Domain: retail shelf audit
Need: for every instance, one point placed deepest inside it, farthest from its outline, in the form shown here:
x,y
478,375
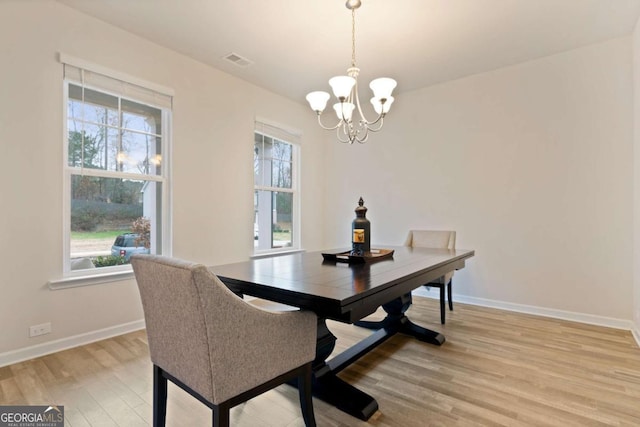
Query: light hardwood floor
x,y
496,368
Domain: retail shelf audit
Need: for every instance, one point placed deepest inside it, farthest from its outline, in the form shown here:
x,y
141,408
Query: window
x,y
116,172
275,161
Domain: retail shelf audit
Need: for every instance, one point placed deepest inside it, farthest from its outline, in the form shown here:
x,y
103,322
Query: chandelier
x,y
345,88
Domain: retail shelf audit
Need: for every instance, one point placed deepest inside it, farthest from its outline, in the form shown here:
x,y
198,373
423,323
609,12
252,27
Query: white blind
x,y
99,79
278,131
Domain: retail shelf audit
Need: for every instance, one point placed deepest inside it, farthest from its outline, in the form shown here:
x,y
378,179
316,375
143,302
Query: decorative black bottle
x,y
361,232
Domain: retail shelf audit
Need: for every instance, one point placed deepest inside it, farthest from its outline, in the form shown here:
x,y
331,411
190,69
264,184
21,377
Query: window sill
x,y
276,253
88,280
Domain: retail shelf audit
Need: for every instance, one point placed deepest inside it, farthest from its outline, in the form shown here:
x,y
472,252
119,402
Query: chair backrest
x,y
199,330
439,239
174,318
191,319
431,239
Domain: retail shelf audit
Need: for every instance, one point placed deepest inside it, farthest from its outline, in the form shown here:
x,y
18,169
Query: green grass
x,y
83,235
280,235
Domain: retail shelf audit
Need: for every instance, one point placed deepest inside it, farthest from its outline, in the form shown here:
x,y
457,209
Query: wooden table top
x,y
336,290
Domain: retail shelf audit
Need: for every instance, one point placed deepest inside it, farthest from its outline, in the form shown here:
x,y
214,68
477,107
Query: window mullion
x,y
106,137
275,189
100,173
120,131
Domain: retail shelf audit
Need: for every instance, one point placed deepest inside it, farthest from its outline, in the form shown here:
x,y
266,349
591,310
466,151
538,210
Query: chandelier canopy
x,y
350,128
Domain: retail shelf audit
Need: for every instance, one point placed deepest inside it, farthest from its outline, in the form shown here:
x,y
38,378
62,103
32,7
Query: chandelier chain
x,y
353,37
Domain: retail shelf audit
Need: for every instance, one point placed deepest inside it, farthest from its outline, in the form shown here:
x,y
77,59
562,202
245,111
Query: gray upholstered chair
x,y
216,346
441,240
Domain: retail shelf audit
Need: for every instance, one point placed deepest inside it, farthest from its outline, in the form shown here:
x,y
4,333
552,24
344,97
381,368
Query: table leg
x,y
328,387
339,393
396,321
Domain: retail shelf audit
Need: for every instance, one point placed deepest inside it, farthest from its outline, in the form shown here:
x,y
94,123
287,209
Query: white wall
x,y
531,164
212,165
636,180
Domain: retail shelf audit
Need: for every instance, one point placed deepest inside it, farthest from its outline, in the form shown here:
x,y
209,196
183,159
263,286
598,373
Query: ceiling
x,y
296,46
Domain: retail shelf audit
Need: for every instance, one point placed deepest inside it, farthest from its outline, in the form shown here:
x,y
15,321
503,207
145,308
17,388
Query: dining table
x,y
346,289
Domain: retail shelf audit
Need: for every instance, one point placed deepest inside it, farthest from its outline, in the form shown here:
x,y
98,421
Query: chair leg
x,y
221,415
159,398
306,402
442,311
449,295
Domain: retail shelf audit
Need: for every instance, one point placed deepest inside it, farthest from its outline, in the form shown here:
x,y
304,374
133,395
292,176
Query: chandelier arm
x,y
352,133
379,118
377,129
365,136
328,127
357,102
363,140
344,141
362,116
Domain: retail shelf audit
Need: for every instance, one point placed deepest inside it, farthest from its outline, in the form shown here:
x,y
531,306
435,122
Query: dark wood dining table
x,y
346,292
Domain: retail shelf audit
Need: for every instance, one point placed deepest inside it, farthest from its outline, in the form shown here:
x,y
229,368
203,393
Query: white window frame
x,y
71,278
293,137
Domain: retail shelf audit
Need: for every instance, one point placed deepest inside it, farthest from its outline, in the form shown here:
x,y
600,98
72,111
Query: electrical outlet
x,y
42,329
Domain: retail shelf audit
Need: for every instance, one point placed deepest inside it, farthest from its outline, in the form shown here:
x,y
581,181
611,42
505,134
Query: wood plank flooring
x,y
497,368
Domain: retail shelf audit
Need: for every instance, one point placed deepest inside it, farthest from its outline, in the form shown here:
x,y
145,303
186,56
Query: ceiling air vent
x,y
237,60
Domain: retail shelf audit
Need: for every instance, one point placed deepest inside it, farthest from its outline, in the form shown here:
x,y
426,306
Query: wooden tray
x,y
374,255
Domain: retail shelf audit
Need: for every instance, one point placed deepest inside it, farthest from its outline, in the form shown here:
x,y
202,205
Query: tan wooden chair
x,y
441,240
216,346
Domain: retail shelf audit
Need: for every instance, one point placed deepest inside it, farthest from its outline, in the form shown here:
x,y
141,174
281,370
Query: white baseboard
x,y
540,311
43,349
635,330
27,353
